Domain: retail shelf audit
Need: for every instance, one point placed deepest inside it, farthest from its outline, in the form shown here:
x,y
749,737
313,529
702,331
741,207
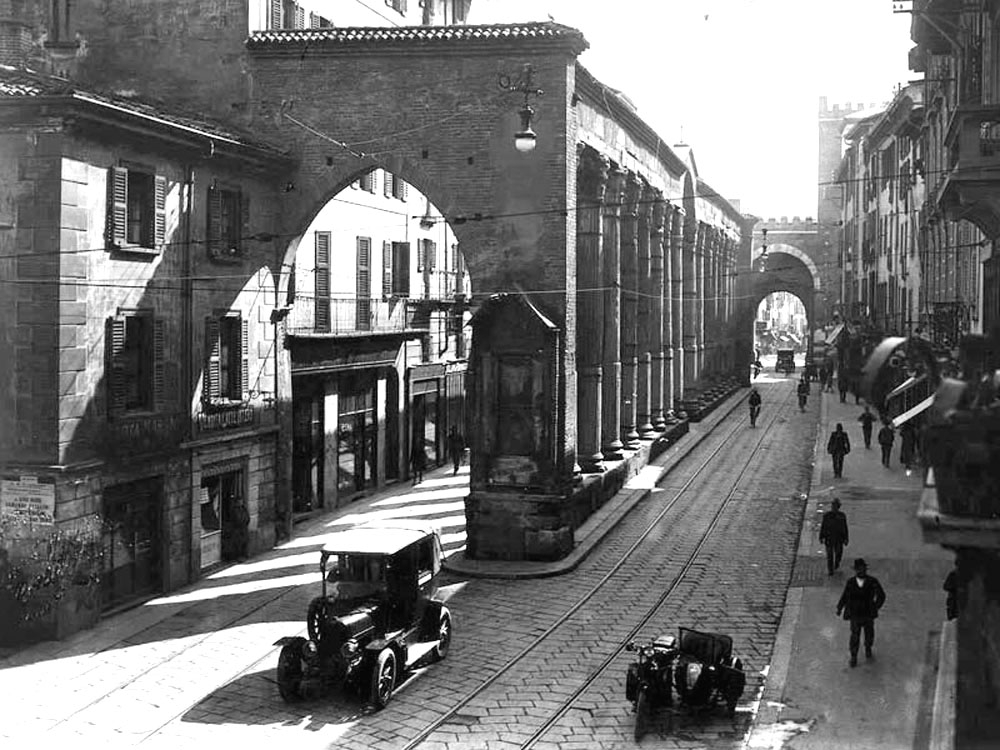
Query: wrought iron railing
x,y
354,315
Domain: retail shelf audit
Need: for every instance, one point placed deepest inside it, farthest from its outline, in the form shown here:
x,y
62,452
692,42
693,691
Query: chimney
x,y
15,34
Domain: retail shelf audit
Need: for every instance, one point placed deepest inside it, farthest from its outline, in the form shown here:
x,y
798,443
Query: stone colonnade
x,y
655,294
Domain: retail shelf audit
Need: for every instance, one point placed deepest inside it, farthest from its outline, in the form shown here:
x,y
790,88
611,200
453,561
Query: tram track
x,y
669,506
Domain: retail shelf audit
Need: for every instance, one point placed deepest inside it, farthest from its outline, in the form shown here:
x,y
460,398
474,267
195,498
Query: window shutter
x,y
421,252
322,281
245,359
160,403
388,186
214,221
244,221
213,374
364,285
117,206
386,269
401,269
115,343
160,211
431,253
274,20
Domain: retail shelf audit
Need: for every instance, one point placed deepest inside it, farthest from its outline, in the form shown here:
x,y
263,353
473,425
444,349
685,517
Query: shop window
x,y
228,222
136,217
224,516
135,342
227,348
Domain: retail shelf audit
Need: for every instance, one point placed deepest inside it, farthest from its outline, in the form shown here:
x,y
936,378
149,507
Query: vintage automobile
x,y
786,361
699,666
377,615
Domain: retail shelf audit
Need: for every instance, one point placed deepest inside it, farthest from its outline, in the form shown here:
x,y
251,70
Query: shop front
x,y
133,541
224,515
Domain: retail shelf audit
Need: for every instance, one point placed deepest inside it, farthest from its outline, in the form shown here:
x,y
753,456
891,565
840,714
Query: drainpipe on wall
x,y
187,358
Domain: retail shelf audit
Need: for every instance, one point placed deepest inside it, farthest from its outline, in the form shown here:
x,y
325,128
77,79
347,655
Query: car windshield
x,y
355,576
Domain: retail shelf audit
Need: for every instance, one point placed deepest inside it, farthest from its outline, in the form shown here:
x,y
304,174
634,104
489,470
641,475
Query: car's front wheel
x,y
443,636
290,671
383,679
641,713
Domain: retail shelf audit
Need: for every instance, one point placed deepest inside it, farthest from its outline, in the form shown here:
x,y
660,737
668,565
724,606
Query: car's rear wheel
x,y
317,617
383,679
290,671
443,637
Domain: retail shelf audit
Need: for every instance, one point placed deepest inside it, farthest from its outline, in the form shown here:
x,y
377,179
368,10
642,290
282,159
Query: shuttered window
x,y
387,185
227,359
136,365
364,285
400,189
228,222
426,255
322,280
386,269
401,269
274,15
136,210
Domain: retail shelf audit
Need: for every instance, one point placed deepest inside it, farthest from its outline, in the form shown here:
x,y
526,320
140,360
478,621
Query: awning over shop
x,y
910,382
906,416
831,338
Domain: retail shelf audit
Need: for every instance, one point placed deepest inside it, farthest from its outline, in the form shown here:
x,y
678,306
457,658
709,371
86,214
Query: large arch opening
x,y
377,294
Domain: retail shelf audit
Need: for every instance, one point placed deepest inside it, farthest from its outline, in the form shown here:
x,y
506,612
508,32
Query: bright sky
x,y
739,79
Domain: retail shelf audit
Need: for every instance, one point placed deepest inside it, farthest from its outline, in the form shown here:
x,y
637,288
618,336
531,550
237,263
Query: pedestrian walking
x,y
418,459
886,437
863,597
867,419
907,444
838,446
833,535
843,385
754,402
951,598
456,447
803,393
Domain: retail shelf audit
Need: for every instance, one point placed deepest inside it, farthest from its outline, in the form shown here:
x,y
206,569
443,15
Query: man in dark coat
x,y
803,393
456,447
867,419
838,446
863,597
754,402
833,535
886,437
908,444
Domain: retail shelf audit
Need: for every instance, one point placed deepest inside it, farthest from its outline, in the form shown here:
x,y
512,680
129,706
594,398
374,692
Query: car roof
x,y
381,539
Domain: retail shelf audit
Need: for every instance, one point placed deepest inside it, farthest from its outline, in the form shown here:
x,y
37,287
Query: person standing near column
x,y
833,535
863,597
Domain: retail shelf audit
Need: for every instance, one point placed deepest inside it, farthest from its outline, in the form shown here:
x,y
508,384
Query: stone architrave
x,y
677,225
643,336
611,383
656,321
592,174
630,298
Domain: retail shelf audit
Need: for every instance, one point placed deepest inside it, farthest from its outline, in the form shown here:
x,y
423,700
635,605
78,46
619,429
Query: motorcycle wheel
x,y
641,713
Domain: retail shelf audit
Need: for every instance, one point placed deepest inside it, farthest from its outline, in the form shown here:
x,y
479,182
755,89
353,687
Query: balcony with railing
x,y
356,316
968,186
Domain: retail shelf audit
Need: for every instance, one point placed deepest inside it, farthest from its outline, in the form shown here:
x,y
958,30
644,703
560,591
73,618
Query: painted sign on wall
x,y
28,499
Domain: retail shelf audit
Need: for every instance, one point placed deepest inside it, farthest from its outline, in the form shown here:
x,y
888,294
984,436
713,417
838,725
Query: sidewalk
x,y
812,699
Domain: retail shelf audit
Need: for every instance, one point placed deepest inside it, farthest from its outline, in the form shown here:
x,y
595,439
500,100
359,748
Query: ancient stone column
x,y
611,366
643,334
699,304
630,288
656,320
692,231
592,173
677,306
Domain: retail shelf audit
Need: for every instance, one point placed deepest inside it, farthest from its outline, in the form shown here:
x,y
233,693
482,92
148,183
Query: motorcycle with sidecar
x,y
700,667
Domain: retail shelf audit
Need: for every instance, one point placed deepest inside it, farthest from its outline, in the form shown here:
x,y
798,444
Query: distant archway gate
x,y
633,267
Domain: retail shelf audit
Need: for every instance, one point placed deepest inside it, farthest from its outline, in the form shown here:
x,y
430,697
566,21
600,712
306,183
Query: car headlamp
x,y
693,673
350,650
310,651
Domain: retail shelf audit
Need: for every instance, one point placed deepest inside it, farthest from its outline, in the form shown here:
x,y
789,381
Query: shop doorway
x,y
132,542
425,419
307,453
225,519
357,433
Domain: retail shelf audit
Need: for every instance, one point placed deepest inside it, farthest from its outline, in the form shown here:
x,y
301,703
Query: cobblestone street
x,y
198,666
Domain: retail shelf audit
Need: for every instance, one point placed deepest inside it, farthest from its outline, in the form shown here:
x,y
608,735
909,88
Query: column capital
x,y
615,187
659,214
633,190
592,173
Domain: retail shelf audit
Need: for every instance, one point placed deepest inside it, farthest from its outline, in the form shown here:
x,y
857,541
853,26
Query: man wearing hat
x,y
833,535
863,597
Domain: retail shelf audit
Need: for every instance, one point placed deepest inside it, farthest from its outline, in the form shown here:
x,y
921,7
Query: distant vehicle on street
x,y
376,617
786,361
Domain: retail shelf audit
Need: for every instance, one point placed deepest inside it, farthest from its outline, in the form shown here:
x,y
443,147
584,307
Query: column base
x,y
613,451
659,422
592,464
632,439
647,431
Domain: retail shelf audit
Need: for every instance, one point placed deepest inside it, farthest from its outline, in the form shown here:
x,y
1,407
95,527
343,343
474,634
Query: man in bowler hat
x,y
833,535
863,597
